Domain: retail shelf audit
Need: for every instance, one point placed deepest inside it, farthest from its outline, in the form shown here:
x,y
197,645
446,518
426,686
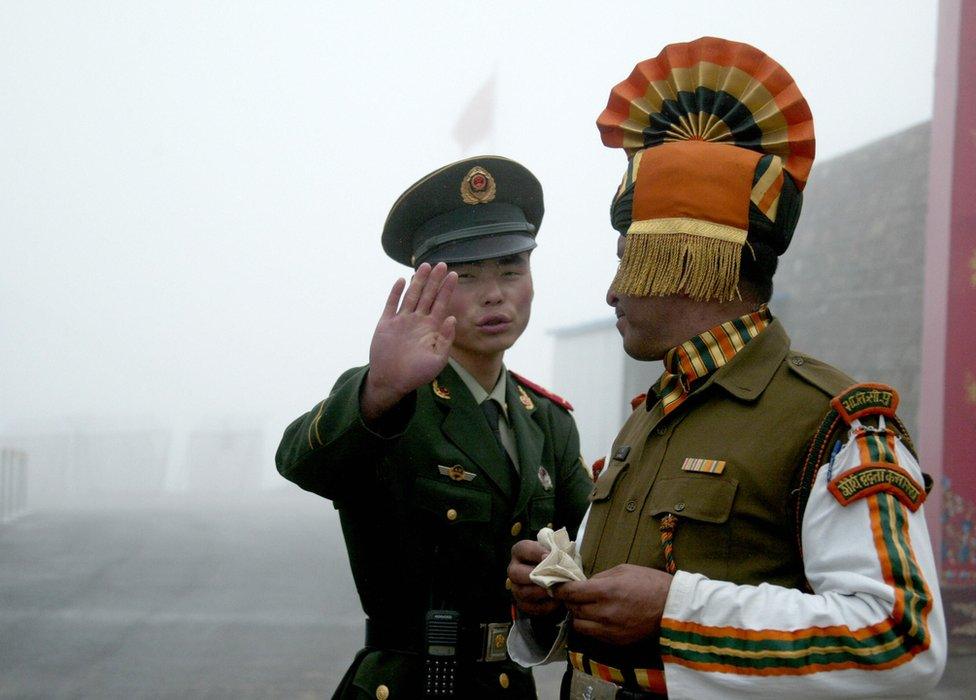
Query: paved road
x,y
251,599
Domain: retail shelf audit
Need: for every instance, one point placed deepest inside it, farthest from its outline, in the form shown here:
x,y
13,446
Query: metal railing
x,y
13,484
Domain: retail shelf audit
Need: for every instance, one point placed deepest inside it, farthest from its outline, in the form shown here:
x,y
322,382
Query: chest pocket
x,y
704,498
450,504
542,510
703,536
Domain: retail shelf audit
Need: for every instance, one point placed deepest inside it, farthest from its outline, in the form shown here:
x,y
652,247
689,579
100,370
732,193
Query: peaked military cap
x,y
475,209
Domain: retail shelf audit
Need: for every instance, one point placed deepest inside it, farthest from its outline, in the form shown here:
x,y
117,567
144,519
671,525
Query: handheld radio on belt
x,y
440,652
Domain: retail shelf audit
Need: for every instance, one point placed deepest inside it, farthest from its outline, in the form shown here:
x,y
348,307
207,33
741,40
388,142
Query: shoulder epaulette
x,y
555,398
825,377
637,401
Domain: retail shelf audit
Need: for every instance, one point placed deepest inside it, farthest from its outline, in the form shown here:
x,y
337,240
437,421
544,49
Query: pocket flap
x,y
705,498
542,509
391,669
465,503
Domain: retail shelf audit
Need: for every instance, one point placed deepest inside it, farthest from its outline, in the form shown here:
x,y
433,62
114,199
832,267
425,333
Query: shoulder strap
x,y
545,393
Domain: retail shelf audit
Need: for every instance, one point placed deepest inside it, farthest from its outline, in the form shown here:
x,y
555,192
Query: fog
x,y
192,193
191,201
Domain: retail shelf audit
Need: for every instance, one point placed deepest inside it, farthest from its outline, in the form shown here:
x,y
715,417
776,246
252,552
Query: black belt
x,y
481,641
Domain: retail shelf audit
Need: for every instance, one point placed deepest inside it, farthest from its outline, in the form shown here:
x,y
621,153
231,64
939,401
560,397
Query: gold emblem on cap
x,y
478,186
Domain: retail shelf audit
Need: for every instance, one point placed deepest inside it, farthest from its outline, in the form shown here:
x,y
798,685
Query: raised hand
x,y
411,343
621,605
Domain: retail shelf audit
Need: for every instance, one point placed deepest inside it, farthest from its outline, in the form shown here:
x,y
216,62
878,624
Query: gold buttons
x,y
503,680
382,692
508,584
516,529
452,514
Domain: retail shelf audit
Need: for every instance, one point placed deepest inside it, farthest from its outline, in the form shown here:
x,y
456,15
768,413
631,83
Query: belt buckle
x,y
496,640
583,686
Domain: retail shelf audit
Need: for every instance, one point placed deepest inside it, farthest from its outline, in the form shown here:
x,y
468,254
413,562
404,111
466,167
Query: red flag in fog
x,y
477,122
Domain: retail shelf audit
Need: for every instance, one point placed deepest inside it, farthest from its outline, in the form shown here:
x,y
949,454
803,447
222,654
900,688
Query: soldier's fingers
x,y
389,310
416,286
576,593
528,552
444,294
431,287
447,330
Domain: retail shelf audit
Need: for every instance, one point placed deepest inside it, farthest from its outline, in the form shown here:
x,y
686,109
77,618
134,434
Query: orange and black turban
x,y
719,143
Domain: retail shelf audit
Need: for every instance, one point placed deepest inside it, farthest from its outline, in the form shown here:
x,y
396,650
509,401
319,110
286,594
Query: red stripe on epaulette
x,y
555,398
598,467
637,401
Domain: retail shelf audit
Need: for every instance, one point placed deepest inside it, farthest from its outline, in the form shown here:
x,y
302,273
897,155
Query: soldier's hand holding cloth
x,y
620,605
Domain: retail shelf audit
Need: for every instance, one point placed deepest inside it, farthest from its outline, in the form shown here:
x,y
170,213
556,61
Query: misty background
x,y
191,201
192,194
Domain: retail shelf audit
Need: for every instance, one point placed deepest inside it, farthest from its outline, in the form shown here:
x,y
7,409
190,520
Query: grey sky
x,y
191,194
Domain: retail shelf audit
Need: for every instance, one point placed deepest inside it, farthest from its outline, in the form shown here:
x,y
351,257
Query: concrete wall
x,y
849,289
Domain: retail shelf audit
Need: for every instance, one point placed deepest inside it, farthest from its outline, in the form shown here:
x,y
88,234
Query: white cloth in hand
x,y
562,564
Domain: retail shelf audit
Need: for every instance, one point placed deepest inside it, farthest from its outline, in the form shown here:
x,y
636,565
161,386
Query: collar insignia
x,y
525,398
440,391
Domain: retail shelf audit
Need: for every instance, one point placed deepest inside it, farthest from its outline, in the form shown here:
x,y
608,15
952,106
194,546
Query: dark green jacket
x,y
419,539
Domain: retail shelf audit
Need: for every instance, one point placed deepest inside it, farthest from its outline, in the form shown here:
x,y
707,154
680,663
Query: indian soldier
x,y
758,529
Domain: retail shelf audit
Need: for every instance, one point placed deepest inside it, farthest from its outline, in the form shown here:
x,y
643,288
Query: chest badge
x,y
545,479
456,472
525,399
700,464
439,391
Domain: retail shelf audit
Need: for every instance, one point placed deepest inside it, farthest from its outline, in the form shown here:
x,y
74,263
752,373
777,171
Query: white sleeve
x,y
873,625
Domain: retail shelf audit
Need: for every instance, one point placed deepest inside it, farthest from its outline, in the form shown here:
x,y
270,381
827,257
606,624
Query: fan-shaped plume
x,y
712,90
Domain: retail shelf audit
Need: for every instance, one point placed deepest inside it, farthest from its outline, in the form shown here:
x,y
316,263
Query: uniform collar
x,y
478,391
748,374
689,364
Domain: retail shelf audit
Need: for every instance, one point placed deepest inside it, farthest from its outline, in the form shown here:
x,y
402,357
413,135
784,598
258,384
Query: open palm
x,y
411,343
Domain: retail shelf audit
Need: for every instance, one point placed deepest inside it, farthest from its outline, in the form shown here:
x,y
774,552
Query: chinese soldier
x,y
437,457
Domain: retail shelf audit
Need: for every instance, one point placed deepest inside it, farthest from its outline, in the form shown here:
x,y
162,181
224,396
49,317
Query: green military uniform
x,y
420,539
737,525
430,498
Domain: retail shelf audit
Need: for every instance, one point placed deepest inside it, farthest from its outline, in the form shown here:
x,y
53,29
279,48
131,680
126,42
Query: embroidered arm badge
x,y
878,477
865,400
